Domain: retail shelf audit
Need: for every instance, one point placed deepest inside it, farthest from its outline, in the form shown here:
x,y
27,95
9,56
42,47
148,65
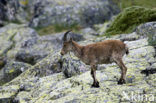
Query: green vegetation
x,y
13,21
56,28
129,19
128,3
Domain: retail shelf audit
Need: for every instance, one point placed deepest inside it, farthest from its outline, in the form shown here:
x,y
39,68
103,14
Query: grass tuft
x,y
57,28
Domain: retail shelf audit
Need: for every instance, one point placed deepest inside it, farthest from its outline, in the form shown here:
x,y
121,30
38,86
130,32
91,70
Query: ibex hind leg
x,y
93,74
123,68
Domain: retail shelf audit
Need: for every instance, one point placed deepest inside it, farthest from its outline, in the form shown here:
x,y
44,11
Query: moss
x,y
130,18
57,28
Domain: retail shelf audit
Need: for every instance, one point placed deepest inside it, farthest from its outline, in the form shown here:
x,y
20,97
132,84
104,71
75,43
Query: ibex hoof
x,y
96,85
121,81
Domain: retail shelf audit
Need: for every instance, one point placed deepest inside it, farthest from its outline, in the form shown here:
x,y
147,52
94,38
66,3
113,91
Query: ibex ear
x,y
65,35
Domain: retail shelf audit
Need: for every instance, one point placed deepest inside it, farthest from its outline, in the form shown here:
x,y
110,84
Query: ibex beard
x,y
105,52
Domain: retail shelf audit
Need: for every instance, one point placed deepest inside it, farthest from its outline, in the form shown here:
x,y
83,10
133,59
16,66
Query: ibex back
x,y
105,52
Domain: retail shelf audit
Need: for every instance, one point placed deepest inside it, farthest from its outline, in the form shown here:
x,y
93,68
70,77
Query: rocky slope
x,y
33,71
57,79
23,47
41,13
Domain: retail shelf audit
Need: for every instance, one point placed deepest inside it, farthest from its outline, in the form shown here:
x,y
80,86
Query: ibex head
x,y
67,44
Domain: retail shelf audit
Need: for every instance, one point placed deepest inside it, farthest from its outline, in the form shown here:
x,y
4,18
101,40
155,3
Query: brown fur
x,y
108,51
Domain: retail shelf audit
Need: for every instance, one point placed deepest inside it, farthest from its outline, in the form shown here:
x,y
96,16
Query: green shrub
x,y
130,18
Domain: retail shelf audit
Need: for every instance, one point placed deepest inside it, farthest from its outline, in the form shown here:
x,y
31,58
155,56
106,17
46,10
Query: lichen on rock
x,y
34,85
11,70
43,75
148,30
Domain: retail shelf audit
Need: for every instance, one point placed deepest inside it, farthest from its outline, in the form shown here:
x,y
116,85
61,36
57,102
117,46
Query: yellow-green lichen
x,y
11,70
9,91
24,2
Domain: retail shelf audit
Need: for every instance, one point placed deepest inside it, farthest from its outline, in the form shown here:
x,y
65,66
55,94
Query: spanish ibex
x,y
105,52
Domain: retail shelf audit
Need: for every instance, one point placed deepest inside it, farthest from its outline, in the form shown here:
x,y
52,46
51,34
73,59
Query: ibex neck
x,y
77,49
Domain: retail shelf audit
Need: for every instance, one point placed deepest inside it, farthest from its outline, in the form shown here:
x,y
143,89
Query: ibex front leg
x,y
93,74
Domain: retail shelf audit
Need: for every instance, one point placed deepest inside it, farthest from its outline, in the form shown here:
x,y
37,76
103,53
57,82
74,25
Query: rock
x,y
63,13
7,93
15,11
2,62
2,11
8,100
33,51
148,30
55,63
9,10
57,38
72,66
101,28
130,78
21,92
153,65
13,35
89,33
75,36
37,84
23,44
49,65
148,71
54,78
33,71
128,37
151,81
129,19
6,40
11,70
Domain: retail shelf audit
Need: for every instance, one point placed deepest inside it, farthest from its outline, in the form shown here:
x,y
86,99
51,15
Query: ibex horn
x,y
65,35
